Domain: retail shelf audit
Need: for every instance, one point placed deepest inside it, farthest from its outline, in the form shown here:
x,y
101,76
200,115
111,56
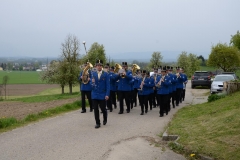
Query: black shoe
x,y
177,104
173,105
104,122
120,112
161,115
110,110
166,113
97,126
115,106
154,106
150,108
135,105
91,110
83,111
142,113
128,111
146,111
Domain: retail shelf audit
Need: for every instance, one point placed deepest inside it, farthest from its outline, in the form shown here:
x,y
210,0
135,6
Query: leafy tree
x,y
95,52
55,74
4,84
156,60
70,61
203,62
194,64
224,57
235,40
190,63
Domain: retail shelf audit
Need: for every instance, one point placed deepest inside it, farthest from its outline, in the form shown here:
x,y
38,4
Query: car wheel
x,y
192,86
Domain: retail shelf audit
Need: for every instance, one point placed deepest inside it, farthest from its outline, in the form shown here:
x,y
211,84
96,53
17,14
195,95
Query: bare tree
x,y
4,85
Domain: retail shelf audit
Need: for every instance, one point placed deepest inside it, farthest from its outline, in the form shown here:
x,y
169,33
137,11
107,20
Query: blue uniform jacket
x,y
148,85
174,82
101,87
153,84
135,83
85,87
170,75
180,81
124,83
164,87
113,83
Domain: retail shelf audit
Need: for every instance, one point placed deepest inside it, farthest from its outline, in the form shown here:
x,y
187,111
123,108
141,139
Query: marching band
x,y
117,83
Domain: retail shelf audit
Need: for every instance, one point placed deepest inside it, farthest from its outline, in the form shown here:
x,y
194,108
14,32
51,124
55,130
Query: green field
x,y
22,77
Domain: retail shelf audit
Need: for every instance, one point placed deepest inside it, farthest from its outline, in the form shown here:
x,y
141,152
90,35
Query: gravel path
x,y
73,136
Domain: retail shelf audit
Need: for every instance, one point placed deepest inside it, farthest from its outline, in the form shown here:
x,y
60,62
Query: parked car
x,y
217,83
231,73
201,78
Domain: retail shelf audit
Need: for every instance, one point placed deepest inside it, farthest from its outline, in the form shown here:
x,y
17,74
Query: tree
x,y
70,61
235,40
190,63
55,74
194,64
95,52
156,60
203,63
224,57
4,84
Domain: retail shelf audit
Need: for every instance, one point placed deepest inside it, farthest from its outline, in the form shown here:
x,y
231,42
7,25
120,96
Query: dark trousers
x,y
163,98
102,105
173,96
178,95
124,95
169,102
183,94
150,100
154,97
131,98
135,93
143,102
113,97
83,95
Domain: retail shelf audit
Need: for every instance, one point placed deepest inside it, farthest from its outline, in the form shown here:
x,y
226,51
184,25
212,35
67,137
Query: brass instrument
x,y
159,83
85,73
135,67
117,68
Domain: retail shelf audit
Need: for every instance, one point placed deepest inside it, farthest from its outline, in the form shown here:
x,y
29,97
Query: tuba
x,y
135,67
85,73
117,68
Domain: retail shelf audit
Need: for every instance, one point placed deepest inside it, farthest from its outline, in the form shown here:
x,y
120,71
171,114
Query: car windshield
x,y
200,74
223,78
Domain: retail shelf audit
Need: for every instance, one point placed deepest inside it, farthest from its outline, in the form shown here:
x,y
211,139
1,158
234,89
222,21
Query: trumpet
x,y
160,82
122,73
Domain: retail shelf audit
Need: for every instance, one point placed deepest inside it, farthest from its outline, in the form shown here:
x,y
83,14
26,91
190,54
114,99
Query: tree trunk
x,y
70,88
62,89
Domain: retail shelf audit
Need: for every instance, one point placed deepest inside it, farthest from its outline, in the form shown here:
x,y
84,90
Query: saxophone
x,y
85,73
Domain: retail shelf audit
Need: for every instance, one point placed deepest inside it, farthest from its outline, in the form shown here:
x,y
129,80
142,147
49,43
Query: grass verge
x,y
211,128
7,124
45,98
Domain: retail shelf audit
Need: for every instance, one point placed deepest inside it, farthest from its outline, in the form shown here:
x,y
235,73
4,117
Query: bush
x,y
6,122
215,97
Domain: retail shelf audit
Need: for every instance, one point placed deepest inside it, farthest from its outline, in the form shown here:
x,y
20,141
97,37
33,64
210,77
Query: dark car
x,y
201,78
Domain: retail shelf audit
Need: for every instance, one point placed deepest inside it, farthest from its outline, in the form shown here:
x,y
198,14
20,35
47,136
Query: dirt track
x,y
20,110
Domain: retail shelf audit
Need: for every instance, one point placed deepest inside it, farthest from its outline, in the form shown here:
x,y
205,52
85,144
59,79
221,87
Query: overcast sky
x,y
36,28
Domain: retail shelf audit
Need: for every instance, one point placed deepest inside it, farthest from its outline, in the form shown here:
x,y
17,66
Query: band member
x,y
179,86
154,94
173,81
163,83
135,87
184,84
124,87
85,87
151,92
145,84
113,88
108,103
100,92
159,74
170,87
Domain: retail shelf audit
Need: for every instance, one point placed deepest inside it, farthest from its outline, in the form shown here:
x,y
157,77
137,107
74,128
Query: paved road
x,y
73,136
